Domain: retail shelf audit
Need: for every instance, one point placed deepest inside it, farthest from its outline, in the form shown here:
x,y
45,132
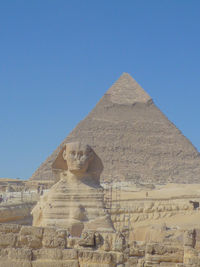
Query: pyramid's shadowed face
x,y
78,157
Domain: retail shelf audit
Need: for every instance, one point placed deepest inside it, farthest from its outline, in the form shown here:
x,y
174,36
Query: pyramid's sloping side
x,y
134,140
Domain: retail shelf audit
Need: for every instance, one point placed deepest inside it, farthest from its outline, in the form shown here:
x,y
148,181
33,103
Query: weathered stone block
x,y
95,257
20,254
61,233
7,240
55,254
51,263
197,237
47,254
191,256
30,241
189,238
87,239
49,231
4,254
10,228
137,252
54,239
157,248
141,263
30,237
168,264
118,257
132,261
10,263
30,230
176,258
87,264
72,242
70,254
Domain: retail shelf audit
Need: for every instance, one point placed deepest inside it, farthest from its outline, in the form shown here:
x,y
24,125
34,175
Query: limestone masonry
x,y
134,139
27,246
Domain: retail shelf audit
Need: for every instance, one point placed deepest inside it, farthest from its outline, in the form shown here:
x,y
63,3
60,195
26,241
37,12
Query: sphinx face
x,y
78,157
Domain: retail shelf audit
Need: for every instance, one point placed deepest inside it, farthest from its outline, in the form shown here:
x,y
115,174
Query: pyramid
x,y
134,139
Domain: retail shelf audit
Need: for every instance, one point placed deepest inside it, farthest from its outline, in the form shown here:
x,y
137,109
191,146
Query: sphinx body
x,y
75,202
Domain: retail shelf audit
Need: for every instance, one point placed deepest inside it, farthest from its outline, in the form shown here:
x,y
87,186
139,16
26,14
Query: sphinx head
x,y
78,157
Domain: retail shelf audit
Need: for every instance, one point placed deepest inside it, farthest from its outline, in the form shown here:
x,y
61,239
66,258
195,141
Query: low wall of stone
x,y
27,246
16,213
135,211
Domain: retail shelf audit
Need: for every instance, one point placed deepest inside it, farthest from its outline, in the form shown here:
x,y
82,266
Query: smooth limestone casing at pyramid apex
x,y
134,139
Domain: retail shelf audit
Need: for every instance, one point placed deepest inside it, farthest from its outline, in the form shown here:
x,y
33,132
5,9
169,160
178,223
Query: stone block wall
x,y
27,246
142,210
19,213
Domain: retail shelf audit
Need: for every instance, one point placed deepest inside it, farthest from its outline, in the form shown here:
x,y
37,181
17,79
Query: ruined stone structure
x,y
27,246
134,140
11,185
19,213
76,201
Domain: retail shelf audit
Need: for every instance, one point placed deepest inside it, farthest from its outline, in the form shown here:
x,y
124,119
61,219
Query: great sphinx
x,y
75,202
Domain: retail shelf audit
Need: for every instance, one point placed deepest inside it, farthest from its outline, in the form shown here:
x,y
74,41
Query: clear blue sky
x,y
58,58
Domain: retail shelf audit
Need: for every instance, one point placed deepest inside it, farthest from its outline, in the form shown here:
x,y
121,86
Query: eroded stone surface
x,y
137,254
16,213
